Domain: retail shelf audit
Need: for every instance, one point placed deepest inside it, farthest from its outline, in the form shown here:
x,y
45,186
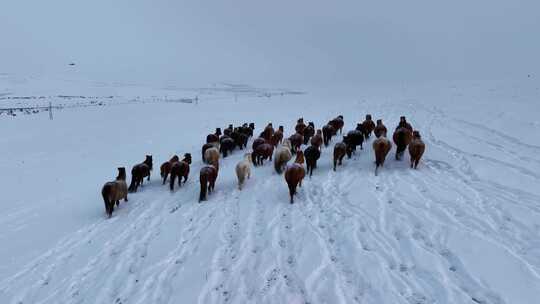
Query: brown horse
x,y
207,178
165,168
368,126
317,139
296,140
180,169
381,147
328,131
262,153
380,129
257,142
277,138
309,131
268,132
337,123
416,149
311,154
295,173
404,124
340,149
300,126
402,138
226,145
113,192
139,172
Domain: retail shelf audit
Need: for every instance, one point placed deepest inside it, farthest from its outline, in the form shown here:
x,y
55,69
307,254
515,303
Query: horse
x,y
340,149
207,179
241,140
300,126
380,129
114,191
337,123
257,142
246,130
282,156
328,131
368,126
317,139
416,149
165,168
352,139
295,173
139,172
309,131
226,145
402,137
381,147
228,130
296,140
211,155
208,146
404,124
210,138
277,138
311,154
262,152
267,132
180,169
218,132
243,170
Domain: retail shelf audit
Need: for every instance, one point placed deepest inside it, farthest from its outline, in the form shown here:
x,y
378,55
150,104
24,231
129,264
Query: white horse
x,y
282,156
243,170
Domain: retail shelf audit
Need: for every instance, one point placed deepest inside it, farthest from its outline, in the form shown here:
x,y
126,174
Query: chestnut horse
x,y
381,147
328,131
416,149
207,178
268,132
277,138
402,138
337,123
340,149
317,139
165,168
262,152
180,169
295,173
300,126
380,129
296,140
368,126
113,192
139,172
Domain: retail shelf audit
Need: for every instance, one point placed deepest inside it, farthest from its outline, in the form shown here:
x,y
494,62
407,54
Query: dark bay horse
x,y
139,172
207,178
165,168
180,169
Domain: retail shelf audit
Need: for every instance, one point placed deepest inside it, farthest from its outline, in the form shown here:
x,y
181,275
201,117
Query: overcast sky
x,y
274,41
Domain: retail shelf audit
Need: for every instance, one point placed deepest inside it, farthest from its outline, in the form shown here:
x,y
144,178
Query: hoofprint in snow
x,y
463,228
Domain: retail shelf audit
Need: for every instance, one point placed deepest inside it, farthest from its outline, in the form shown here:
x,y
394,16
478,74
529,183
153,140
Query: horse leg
x,y
148,176
165,178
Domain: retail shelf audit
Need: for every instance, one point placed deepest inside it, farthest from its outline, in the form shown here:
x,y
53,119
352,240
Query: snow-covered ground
x,y
463,228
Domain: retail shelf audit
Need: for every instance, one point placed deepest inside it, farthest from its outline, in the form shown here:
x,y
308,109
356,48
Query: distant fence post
x,y
50,110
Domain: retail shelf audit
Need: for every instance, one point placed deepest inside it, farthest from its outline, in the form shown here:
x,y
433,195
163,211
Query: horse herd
x,y
271,145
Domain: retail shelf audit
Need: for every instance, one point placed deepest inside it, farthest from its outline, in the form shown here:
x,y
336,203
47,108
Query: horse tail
x,y
292,191
277,164
105,193
204,181
132,185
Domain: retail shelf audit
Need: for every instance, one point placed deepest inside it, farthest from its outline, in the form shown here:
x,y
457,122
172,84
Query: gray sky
x,y
266,42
